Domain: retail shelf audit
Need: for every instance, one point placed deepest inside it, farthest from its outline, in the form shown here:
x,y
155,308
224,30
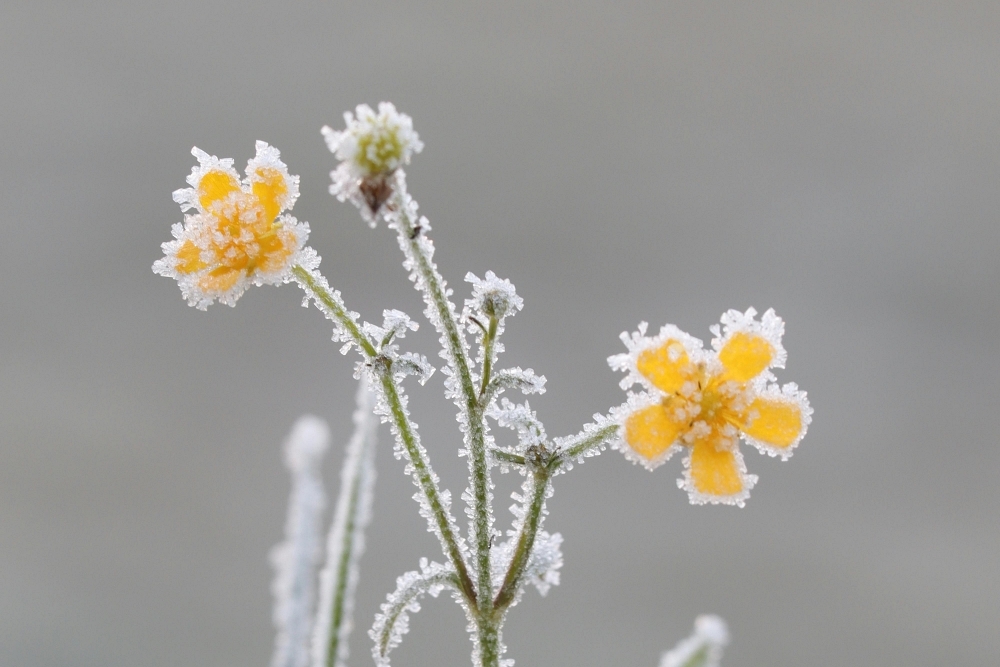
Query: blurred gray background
x,y
664,161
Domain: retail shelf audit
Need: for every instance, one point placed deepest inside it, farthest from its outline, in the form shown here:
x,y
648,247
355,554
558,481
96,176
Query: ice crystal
x,y
460,379
238,235
492,296
393,621
703,648
703,401
371,147
295,559
346,540
522,419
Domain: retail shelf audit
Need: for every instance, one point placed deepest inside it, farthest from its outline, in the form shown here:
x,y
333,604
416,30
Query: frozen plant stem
x,y
346,540
431,284
423,477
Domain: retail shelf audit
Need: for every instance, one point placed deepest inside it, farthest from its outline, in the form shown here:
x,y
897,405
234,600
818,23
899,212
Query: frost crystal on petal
x,y
238,235
294,560
704,401
703,648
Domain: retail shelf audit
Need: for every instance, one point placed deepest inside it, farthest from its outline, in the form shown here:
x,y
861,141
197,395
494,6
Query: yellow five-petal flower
x,y
704,400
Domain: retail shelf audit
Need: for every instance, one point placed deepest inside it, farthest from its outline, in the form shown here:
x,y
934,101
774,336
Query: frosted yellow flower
x,y
238,235
703,401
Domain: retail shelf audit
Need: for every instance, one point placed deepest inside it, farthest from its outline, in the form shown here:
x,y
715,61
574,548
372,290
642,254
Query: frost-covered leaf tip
x,y
371,148
238,235
704,400
701,649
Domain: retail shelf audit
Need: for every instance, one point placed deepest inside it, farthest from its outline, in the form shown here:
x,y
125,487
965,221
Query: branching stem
x,y
422,474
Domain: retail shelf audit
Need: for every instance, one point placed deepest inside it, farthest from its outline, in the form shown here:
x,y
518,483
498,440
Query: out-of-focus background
x,y
618,162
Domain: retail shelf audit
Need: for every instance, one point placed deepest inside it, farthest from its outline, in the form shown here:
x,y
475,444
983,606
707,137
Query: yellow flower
x,y
703,401
238,235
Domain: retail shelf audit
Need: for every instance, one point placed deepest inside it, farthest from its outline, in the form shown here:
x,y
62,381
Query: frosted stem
x,y
295,559
588,445
425,480
442,315
526,540
439,517
345,543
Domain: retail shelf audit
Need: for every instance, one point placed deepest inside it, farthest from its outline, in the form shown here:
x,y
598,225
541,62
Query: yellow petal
x,y
667,366
221,279
745,356
270,190
650,432
215,186
715,472
189,258
774,421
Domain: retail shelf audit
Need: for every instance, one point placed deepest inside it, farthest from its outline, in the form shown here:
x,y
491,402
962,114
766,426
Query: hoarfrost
x,y
294,560
703,648
346,540
492,296
393,621
522,419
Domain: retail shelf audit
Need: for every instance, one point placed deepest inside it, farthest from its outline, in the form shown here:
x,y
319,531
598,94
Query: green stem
x,y
344,562
526,541
308,281
592,441
437,298
425,478
488,356
421,468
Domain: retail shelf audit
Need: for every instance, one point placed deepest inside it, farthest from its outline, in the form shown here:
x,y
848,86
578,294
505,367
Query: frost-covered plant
x,y
692,399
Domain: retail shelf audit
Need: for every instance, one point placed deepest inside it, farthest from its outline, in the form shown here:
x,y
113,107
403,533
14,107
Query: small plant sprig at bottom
x,y
691,399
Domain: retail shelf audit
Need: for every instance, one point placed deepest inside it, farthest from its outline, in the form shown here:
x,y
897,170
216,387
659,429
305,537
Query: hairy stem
x,y
431,283
526,541
422,474
488,340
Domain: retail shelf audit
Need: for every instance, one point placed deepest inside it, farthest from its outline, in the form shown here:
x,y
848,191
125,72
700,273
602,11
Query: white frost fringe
x,y
701,649
346,542
295,559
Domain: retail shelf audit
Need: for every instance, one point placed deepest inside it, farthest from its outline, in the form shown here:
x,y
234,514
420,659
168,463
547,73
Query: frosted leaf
x,y
492,296
703,648
411,363
346,540
546,559
294,560
514,378
520,418
393,620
